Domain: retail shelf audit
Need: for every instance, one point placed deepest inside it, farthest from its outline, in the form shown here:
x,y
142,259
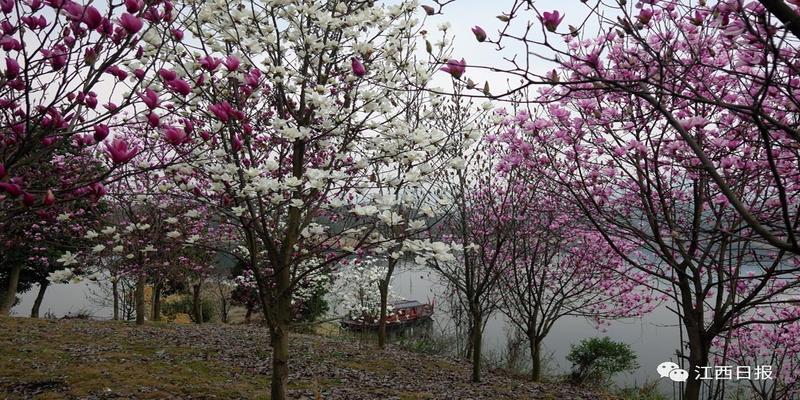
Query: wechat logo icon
x,y
672,371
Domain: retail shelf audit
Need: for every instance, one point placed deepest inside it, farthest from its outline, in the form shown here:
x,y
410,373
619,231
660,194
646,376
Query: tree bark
x,y
223,304
279,335
197,303
11,290
383,288
115,295
139,300
155,303
37,304
698,357
536,358
477,334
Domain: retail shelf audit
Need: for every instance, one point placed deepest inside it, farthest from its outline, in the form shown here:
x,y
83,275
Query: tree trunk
x,y
115,294
223,306
383,288
11,290
470,339
248,314
155,303
39,297
139,300
477,333
197,303
698,357
279,335
536,358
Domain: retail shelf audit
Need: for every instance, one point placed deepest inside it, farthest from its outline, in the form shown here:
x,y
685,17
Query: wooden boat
x,y
403,313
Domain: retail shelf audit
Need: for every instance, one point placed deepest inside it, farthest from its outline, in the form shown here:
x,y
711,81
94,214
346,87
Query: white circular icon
x,y
665,368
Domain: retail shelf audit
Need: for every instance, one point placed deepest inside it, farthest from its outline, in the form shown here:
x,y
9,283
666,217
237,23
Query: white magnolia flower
x,y
457,163
60,276
365,210
192,214
118,249
98,248
63,217
416,225
68,259
173,234
109,230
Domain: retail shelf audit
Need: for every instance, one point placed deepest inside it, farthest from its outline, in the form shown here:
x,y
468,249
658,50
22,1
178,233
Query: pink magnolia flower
x,y
231,63
455,68
12,189
358,68
92,18
130,23
28,199
9,43
645,15
225,112
551,20
2,170
167,75
120,151
209,63
49,198
175,136
150,98
117,72
220,111
7,6
180,86
57,56
96,191
12,68
100,132
153,120
480,34
177,34
133,5
693,122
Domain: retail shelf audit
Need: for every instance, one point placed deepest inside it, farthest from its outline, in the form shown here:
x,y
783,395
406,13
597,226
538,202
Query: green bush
x,y
184,306
596,360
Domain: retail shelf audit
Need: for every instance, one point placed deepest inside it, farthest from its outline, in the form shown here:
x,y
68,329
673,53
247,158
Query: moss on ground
x,y
76,359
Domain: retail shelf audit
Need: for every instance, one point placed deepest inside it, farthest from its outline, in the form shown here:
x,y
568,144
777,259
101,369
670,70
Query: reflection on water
x,y
654,337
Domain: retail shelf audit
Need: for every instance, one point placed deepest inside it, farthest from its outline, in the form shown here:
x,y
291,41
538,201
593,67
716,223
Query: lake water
x,y
654,337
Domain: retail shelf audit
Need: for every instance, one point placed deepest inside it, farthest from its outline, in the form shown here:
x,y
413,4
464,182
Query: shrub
x,y
183,305
596,360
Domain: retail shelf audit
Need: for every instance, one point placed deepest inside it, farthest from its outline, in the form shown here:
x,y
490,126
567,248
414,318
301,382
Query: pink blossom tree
x,y
65,87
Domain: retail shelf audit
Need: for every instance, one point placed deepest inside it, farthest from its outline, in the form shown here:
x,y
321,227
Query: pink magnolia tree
x,y
671,128
720,76
70,76
765,349
559,266
638,185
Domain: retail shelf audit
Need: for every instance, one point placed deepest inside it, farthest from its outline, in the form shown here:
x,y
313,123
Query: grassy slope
x,y
89,359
